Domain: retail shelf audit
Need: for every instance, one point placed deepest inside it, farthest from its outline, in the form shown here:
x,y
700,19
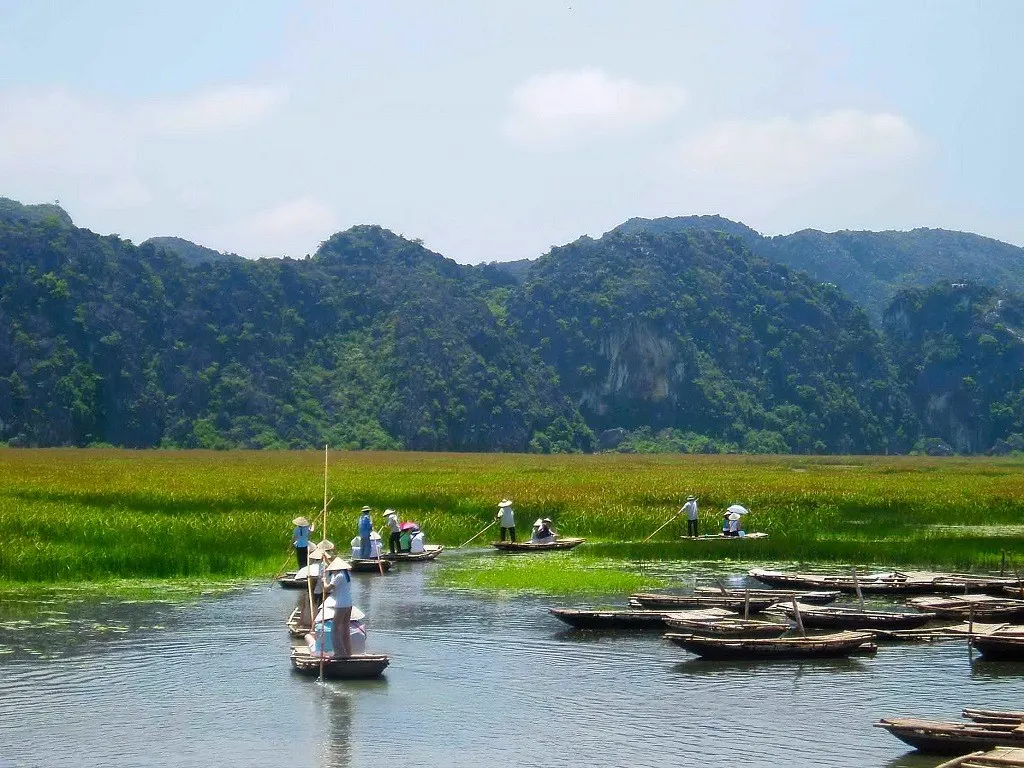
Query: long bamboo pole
x,y
323,575
493,523
656,532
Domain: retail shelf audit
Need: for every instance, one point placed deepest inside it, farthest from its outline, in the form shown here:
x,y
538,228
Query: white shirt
x,y
734,525
392,521
690,508
342,584
417,544
508,519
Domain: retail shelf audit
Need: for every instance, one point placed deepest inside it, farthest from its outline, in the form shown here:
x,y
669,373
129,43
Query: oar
x,y
478,535
280,571
677,514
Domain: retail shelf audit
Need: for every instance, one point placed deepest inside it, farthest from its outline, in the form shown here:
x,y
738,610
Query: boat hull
x,y
654,601
528,546
431,551
359,667
941,738
839,618
821,647
586,619
996,648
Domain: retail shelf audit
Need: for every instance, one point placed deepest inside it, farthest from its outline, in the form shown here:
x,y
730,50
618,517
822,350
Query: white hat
x,y
300,521
390,513
505,503
374,536
327,612
337,564
308,571
538,523
734,516
365,509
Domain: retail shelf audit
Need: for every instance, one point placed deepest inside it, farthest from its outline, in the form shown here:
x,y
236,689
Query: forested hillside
x,y
870,267
667,339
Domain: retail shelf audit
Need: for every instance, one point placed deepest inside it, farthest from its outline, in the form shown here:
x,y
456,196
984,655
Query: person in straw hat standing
x,y
365,529
391,518
300,540
692,519
339,584
508,519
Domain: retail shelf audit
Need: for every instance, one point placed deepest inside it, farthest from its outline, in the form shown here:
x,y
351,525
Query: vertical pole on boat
x,y
325,491
1002,569
1020,584
856,585
970,625
323,576
746,602
799,619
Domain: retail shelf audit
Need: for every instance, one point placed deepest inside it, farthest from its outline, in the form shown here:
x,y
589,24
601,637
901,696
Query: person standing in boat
x,y
508,519
692,518
391,518
300,540
339,585
365,529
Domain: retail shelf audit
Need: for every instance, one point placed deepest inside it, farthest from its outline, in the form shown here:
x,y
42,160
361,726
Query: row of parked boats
x,y
722,623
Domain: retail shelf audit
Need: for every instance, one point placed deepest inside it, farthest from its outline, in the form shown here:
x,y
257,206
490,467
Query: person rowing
x,y
300,539
391,518
507,516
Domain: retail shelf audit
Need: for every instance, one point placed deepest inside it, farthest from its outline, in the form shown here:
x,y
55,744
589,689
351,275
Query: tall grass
x,y
91,515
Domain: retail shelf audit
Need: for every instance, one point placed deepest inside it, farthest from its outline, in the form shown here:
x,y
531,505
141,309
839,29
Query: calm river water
x,y
473,682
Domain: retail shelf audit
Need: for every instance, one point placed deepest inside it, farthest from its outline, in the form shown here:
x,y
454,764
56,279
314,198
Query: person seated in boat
x,y
725,524
376,548
542,531
405,540
323,631
355,544
300,539
417,545
734,525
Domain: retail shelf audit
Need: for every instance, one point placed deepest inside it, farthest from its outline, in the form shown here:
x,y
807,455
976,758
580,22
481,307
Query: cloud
x,y
550,110
213,110
786,153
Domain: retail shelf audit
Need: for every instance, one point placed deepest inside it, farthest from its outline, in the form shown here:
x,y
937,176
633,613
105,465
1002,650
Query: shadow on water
x,y
983,669
916,760
698,667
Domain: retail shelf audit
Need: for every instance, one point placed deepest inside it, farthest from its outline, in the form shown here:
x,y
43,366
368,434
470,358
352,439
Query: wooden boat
x,y
659,601
1000,757
963,583
830,617
359,667
288,581
893,582
834,645
1000,646
610,619
295,628
816,597
954,738
529,546
430,551
992,715
724,626
723,537
980,607
370,565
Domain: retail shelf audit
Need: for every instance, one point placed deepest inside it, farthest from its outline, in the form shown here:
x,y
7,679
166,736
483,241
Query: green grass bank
x,y
94,516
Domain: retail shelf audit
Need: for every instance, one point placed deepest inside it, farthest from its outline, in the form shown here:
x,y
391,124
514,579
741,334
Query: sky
x,y
495,130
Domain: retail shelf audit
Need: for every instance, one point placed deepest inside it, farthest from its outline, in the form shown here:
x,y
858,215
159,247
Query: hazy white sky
x,y
494,130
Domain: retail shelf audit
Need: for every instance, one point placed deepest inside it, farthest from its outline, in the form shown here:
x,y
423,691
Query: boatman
x,y
508,519
300,540
690,508
391,518
365,529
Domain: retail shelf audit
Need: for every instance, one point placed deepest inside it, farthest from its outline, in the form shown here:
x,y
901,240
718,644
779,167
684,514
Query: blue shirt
x,y
365,525
301,536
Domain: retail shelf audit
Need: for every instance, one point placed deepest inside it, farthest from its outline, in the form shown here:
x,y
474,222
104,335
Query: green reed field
x,y
82,516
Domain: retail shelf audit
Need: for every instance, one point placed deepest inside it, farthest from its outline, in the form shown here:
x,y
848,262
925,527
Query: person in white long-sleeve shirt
x,y
692,519
508,519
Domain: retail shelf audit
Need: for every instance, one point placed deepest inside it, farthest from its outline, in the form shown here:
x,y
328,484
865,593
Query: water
x,y
473,682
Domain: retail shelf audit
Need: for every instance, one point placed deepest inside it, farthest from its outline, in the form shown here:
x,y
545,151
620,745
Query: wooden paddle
x,y
493,523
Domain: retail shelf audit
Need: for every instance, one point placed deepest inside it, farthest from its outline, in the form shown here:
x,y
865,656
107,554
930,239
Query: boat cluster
x,y
792,616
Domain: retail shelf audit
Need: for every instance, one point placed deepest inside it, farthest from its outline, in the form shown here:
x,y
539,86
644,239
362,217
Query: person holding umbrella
x,y
732,519
692,520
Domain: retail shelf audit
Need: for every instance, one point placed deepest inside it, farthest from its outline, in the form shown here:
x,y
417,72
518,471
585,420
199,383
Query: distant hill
x,y
12,210
870,267
190,252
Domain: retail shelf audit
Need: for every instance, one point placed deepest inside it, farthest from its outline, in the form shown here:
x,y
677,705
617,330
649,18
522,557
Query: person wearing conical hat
x,y
391,518
692,518
339,585
508,519
542,531
300,540
365,529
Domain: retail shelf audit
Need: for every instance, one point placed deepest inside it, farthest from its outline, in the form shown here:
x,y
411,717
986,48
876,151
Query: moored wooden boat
x,y
831,617
952,738
661,601
288,581
838,644
370,565
609,619
980,607
295,627
723,537
430,551
1000,757
814,597
359,667
893,582
725,626
992,715
1000,646
530,546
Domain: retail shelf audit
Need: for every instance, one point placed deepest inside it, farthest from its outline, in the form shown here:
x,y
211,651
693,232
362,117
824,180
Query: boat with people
x,y
952,738
532,546
675,602
362,666
836,645
742,536
580,618
832,617
430,552
813,597
729,625
979,607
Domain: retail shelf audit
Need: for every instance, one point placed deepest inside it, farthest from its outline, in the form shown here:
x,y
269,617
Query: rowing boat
x,y
430,551
830,617
362,666
1000,757
1000,646
288,581
817,597
659,601
967,606
370,564
724,626
992,715
723,537
893,582
945,738
610,619
531,546
835,645
295,626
